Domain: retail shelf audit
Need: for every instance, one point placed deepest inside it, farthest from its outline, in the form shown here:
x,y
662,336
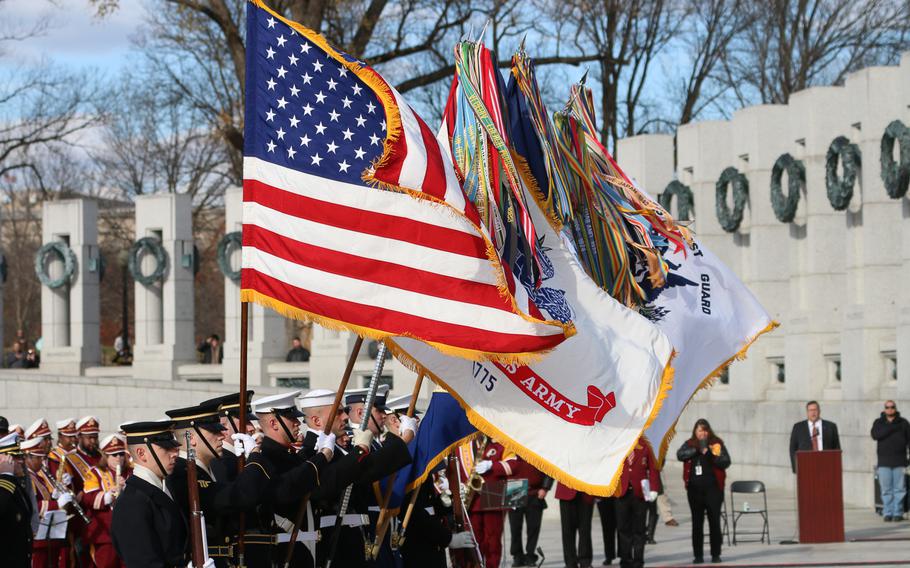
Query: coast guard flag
x,y
711,318
443,428
322,242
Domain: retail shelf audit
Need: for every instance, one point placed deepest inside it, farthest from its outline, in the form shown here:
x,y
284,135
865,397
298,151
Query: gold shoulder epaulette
x,y
8,485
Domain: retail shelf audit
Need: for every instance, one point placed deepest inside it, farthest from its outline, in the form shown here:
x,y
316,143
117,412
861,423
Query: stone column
x,y
903,329
873,251
165,309
648,160
266,337
816,249
329,354
70,314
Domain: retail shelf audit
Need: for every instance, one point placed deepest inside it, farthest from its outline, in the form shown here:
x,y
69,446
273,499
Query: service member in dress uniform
x,y
15,506
100,495
360,464
225,467
147,527
294,475
632,497
219,499
45,552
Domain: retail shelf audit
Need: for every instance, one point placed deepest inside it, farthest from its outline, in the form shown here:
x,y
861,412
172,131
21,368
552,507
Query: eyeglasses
x,y
890,407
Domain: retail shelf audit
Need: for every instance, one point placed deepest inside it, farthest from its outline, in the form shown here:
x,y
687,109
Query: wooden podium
x,y
820,495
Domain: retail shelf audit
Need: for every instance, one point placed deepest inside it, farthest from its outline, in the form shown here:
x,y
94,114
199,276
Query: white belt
x,y
430,510
304,537
346,520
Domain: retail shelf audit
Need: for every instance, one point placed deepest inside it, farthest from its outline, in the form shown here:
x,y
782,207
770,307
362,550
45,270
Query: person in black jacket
x,y
705,461
15,506
812,434
892,432
148,529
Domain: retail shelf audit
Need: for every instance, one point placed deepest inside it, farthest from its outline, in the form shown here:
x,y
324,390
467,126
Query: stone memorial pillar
x,y
903,329
163,270
70,313
816,249
266,336
873,251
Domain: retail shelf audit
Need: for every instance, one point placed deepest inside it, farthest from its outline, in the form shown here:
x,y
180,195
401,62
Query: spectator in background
x,y
705,460
32,359
15,359
892,432
298,352
212,353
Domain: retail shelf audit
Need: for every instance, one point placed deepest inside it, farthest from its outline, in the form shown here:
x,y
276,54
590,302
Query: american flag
x,y
321,243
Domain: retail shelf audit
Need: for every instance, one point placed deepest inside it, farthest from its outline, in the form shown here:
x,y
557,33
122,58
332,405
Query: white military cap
x,y
316,398
283,404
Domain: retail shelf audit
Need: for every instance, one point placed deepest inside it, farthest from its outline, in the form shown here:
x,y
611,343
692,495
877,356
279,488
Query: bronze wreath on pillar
x,y
685,200
730,220
785,206
840,190
896,175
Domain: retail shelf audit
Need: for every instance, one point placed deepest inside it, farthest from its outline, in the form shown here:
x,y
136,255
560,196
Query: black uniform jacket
x,y
427,536
219,500
379,463
148,529
15,523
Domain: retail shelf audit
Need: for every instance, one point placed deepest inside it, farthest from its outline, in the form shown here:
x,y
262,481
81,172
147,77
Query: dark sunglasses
x,y
890,407
346,409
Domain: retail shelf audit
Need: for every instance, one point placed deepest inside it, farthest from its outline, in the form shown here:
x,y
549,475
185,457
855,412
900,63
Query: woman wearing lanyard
x,y
704,458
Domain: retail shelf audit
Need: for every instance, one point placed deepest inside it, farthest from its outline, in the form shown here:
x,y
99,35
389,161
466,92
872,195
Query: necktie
x,y
816,440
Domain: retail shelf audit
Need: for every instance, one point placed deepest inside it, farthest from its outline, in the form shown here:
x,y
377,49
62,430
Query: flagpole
x,y
244,329
364,424
327,429
382,524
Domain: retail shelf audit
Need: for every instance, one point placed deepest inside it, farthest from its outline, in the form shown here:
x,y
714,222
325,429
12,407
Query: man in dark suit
x,y
148,528
812,434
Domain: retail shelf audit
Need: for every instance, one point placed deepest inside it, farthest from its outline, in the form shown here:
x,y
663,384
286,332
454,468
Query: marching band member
x,y
46,551
100,492
488,459
66,444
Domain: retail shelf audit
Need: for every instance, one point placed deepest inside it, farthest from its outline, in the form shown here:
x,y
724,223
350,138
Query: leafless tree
x,y
794,44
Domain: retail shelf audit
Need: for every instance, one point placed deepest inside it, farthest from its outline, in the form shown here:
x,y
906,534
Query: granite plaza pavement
x,y
869,540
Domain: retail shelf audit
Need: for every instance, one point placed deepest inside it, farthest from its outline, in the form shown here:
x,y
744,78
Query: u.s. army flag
x,y
576,413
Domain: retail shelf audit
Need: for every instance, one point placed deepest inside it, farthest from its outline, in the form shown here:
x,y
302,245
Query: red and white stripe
x,y
380,259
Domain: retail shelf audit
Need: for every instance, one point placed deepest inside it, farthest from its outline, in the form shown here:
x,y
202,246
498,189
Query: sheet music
x,y
53,523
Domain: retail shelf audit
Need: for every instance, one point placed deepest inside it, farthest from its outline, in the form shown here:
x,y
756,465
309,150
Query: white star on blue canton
x,y
291,152
292,59
271,146
320,97
343,166
270,53
282,72
315,159
361,121
271,83
332,84
357,89
334,115
294,121
317,66
281,103
332,147
320,128
270,116
307,109
374,140
346,102
280,132
305,140
271,22
306,78
371,107
347,133
342,72
294,90
359,153
304,48
281,41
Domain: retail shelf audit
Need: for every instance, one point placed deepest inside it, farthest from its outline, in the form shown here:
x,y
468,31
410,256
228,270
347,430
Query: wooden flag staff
x,y
327,429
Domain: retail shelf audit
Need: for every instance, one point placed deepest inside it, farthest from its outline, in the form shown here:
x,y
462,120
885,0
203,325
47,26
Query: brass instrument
x,y
118,479
61,489
475,481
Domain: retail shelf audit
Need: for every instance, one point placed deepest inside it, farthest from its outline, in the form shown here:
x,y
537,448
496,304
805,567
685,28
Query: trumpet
x,y
475,481
63,489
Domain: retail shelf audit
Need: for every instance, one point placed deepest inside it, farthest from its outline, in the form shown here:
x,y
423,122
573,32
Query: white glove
x,y
408,423
66,479
483,466
325,442
243,444
64,500
652,496
55,494
462,540
363,438
108,497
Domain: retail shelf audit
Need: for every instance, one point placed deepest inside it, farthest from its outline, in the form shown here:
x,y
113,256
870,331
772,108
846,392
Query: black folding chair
x,y
749,488
725,526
